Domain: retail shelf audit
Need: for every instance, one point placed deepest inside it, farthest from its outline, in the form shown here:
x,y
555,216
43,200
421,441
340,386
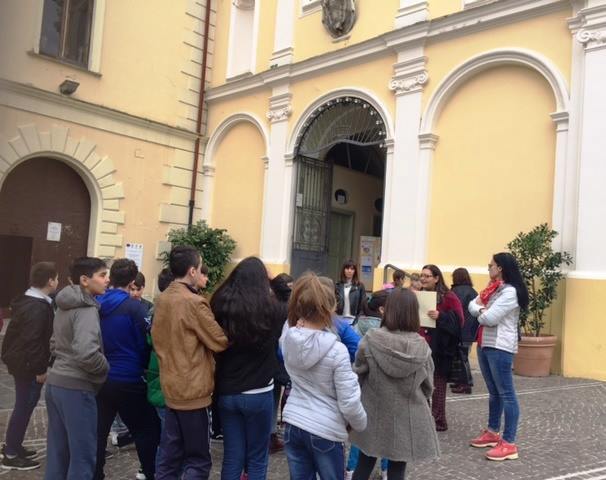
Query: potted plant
x,y
541,267
214,244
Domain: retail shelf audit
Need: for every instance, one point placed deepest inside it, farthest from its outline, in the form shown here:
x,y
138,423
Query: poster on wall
x,y
370,256
134,251
53,232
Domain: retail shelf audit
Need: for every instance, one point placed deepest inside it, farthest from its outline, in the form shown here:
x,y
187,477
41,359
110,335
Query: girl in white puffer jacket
x,y
324,402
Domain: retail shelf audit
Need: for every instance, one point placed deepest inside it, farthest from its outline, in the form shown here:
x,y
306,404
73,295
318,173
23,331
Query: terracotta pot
x,y
534,356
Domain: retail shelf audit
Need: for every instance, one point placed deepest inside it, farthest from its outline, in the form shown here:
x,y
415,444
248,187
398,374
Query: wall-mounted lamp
x,y
341,196
68,87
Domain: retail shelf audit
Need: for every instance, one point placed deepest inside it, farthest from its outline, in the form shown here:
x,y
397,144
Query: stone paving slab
x,y
562,436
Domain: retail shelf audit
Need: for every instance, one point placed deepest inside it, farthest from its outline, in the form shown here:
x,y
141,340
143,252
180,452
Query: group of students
x,y
356,369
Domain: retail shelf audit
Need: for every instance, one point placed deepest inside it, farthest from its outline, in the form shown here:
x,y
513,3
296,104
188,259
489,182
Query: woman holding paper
x,y
443,339
498,310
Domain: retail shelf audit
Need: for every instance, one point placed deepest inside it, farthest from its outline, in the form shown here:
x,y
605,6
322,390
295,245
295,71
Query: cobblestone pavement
x,y
562,436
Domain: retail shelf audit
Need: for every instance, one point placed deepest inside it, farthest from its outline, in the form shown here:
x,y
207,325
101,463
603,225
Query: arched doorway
x,y
340,160
44,216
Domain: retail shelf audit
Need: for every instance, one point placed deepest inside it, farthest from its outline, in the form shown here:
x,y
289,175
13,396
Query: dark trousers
x,y
438,402
395,470
27,394
185,445
130,401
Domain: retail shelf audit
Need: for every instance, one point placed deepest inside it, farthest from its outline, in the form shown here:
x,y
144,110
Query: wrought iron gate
x,y
312,211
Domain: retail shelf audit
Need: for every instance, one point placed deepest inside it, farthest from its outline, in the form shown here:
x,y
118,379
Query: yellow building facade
x,y
438,129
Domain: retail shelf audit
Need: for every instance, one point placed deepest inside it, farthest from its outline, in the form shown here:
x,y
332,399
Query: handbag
x,y
460,371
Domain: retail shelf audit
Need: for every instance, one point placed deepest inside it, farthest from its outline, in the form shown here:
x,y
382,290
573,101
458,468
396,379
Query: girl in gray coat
x,y
395,371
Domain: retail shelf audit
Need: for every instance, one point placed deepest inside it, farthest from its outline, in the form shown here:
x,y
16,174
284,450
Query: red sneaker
x,y
503,451
486,439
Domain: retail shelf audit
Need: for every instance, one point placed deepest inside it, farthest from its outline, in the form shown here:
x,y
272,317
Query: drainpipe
x,y
194,176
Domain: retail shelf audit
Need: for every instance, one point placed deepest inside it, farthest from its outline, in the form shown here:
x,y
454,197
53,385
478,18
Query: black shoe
x,y
217,437
21,452
19,463
124,440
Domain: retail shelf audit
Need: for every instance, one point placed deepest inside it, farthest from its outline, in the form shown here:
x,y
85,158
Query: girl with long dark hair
x,y
350,292
244,380
498,310
462,287
443,340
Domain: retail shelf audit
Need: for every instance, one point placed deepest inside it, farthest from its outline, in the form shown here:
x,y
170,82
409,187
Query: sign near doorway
x,y
134,251
53,232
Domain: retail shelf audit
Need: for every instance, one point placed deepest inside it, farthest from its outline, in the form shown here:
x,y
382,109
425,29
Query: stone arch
x,y
362,94
208,164
95,170
484,61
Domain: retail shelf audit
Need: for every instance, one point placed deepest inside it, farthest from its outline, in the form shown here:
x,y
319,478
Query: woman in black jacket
x,y
350,292
462,286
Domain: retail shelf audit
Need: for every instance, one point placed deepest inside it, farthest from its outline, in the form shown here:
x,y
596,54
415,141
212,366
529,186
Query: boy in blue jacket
x,y
124,330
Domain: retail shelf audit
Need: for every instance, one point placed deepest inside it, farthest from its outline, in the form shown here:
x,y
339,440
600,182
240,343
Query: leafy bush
x,y
541,268
214,244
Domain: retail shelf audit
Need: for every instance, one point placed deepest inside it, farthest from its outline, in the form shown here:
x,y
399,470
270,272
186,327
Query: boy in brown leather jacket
x,y
185,336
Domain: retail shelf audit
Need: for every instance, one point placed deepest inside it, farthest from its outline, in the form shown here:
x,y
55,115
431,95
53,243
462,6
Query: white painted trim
x,y
225,125
586,275
208,165
310,6
96,36
42,102
283,53
486,60
451,26
236,40
364,94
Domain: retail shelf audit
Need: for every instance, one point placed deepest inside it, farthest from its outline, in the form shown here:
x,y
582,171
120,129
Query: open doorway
x,y
339,187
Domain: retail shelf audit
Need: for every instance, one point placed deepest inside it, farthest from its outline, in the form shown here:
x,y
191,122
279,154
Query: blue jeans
x,y
246,421
27,394
72,434
354,455
309,454
496,369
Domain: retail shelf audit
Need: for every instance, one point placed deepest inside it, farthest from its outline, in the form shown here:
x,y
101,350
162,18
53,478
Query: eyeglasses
x,y
426,275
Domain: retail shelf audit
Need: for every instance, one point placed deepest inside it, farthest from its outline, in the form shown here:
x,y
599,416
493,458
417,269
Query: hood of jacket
x,y
72,297
111,300
304,347
398,354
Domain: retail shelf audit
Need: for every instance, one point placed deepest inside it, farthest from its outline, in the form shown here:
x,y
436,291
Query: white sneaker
x,y
140,475
383,474
348,474
113,436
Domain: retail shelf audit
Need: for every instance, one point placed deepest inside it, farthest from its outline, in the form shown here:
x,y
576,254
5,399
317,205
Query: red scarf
x,y
485,297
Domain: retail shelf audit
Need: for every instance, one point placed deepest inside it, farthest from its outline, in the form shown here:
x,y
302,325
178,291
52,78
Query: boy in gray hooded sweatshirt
x,y
78,370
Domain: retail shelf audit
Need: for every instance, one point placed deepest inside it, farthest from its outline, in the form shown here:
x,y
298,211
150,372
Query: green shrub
x,y
540,266
214,244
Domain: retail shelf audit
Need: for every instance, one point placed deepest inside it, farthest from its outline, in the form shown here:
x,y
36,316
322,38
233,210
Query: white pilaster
x,y
563,202
591,229
208,183
404,224
411,12
273,244
283,41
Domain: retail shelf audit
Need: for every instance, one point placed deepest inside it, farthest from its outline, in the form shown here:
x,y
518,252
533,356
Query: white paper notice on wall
x,y
53,232
134,251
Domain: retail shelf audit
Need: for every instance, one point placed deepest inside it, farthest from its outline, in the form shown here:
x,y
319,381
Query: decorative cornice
x,y
561,120
120,122
591,38
410,84
428,141
280,107
458,24
208,171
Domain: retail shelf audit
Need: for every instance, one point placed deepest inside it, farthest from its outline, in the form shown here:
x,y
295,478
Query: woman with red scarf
x,y
498,310
443,340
